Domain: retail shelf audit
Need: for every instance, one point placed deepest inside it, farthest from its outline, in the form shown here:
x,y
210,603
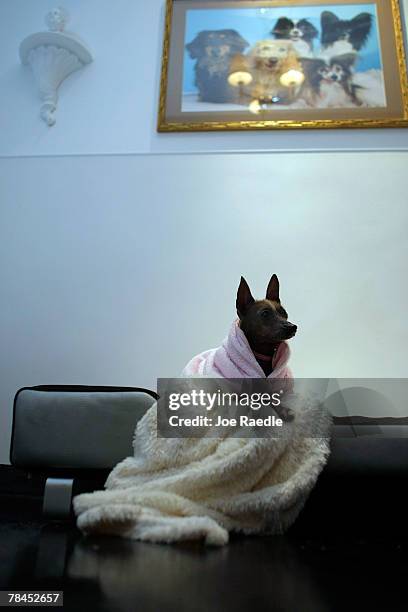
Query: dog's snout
x,y
291,329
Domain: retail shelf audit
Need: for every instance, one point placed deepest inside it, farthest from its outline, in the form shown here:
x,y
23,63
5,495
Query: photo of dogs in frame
x,y
282,64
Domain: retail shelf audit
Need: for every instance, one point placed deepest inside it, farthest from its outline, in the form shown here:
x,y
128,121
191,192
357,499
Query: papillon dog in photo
x,y
301,32
329,83
340,36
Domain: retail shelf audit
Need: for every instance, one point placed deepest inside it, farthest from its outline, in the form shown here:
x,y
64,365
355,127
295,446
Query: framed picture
x,y
282,64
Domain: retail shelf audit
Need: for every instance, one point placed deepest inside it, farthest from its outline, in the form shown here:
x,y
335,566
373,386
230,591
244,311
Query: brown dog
x,y
267,61
213,51
265,325
264,322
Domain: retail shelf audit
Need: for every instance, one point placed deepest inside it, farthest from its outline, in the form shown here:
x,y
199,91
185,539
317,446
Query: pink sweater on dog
x,y
235,359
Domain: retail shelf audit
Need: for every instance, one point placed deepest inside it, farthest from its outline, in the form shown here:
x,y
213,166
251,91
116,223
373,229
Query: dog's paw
x,y
255,107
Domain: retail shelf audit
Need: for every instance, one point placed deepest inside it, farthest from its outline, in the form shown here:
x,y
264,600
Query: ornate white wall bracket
x,y
53,56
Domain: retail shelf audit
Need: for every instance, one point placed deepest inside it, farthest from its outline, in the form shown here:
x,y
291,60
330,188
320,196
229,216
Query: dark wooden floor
x,y
324,569
348,550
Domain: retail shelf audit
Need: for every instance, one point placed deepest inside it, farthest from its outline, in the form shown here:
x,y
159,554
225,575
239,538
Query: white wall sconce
x,y
53,56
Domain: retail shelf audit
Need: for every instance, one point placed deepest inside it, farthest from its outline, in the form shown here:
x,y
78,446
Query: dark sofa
x,y
66,439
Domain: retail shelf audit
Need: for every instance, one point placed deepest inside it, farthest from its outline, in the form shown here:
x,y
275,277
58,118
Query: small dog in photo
x,y
214,51
267,61
329,84
300,32
341,36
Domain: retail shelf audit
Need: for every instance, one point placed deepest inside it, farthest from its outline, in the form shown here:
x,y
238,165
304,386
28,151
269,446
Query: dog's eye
x,y
265,314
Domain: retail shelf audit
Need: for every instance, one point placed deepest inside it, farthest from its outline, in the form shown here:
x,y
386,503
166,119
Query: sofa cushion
x,y
75,427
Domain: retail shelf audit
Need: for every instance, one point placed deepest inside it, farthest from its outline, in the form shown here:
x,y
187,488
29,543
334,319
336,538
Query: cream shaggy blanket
x,y
188,489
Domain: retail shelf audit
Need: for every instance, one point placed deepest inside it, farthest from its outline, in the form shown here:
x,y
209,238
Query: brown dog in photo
x,y
213,51
267,61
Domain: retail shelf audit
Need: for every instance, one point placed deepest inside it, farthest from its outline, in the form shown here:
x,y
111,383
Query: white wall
x,y
111,105
118,270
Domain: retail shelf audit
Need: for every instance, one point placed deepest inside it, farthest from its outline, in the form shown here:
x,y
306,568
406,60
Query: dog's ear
x,y
311,63
360,29
292,60
327,19
311,68
244,298
282,26
236,41
346,60
196,46
272,292
309,28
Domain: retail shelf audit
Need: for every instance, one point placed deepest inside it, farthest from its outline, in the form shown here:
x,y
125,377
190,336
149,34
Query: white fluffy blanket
x,y
186,489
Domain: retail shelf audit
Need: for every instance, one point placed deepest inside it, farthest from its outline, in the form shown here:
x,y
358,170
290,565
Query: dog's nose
x,y
292,329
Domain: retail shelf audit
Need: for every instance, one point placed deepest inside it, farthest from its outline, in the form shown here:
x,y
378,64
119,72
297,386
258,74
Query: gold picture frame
x,y
385,96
